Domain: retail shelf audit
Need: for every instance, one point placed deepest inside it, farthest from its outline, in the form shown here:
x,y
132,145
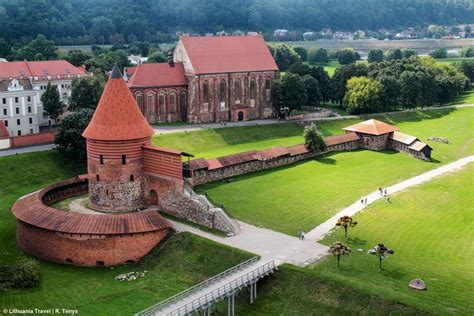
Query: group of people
x,y
383,192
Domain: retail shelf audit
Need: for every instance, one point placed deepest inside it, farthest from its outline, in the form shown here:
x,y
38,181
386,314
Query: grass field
x,y
430,228
185,261
300,196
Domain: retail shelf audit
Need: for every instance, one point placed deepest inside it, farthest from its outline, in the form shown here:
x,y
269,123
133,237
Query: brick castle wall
x,y
86,250
33,139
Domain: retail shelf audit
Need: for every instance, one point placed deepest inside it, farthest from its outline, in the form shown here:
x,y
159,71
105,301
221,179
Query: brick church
x,y
208,79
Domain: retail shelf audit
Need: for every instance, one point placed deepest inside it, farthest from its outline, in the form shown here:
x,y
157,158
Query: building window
x,y
31,131
172,105
139,99
182,101
222,90
4,100
6,123
238,90
268,86
17,110
101,158
16,99
253,89
30,120
18,122
124,159
29,109
131,178
150,104
19,133
29,99
97,177
161,102
5,112
205,92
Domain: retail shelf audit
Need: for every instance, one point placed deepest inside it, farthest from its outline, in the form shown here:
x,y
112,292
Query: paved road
x,y
282,248
22,150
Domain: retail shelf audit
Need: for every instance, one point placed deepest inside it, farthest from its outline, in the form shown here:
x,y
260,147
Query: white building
x,y
23,83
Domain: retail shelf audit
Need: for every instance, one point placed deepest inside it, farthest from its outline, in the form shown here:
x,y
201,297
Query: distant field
x,y
429,226
300,196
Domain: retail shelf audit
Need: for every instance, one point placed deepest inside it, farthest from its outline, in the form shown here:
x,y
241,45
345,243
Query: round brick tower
x,y
115,137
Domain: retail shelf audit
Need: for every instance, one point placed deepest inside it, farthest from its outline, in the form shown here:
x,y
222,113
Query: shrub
x,y
26,274
312,140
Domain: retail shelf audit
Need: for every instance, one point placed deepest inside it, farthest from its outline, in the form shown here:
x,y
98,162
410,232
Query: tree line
x,y
389,81
75,22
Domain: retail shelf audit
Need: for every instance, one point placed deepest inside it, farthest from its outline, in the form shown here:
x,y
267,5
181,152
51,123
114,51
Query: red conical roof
x,y
117,116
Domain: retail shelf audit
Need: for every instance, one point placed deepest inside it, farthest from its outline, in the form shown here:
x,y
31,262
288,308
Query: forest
x,y
96,21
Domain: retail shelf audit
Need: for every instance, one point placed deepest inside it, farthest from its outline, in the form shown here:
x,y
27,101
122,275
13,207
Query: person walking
x,y
302,235
389,200
365,201
384,191
380,191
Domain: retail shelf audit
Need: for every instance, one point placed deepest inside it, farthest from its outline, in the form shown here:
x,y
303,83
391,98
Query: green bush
x,y
26,274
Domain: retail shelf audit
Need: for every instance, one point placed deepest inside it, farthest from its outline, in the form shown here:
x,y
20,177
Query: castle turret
x,y
115,137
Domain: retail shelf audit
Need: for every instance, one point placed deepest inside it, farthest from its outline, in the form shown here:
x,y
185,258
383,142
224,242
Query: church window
x,y
205,92
172,105
139,99
222,93
161,102
150,104
253,89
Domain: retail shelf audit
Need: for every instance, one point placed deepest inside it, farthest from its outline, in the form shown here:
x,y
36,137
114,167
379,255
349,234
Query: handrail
x,y
225,290
157,307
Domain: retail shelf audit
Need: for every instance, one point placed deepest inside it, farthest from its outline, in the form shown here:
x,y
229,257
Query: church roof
x,y
225,54
157,75
117,116
372,127
3,131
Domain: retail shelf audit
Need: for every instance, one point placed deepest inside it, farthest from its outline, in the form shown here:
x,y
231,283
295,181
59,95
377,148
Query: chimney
x,y
170,59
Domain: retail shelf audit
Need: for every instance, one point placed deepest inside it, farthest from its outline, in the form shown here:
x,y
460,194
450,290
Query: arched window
x,y
182,100
268,87
150,104
139,99
222,93
238,90
205,92
161,103
253,89
172,104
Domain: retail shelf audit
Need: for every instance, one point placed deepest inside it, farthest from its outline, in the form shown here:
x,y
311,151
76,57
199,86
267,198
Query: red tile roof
x,y
271,153
214,164
117,116
298,150
224,54
372,127
418,146
403,138
237,158
341,139
53,68
158,75
3,131
198,164
162,149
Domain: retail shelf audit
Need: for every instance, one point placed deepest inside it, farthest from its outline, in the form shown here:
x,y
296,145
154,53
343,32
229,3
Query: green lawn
x,y
184,261
430,228
300,196
465,98
224,141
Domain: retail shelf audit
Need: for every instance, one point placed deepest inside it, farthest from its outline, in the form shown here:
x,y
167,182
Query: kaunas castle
x,y
207,79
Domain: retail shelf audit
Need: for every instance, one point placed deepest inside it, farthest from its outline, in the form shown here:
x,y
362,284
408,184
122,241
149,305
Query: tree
x,y
346,222
375,56
340,77
347,56
157,57
407,53
102,26
69,135
467,51
363,95
302,52
409,88
439,53
324,82
390,91
290,92
312,90
467,68
85,93
318,55
78,57
38,49
393,54
312,140
381,251
52,104
338,249
285,57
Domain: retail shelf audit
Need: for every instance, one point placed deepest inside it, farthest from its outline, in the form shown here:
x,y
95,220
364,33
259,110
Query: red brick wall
x,y
162,163
86,250
34,139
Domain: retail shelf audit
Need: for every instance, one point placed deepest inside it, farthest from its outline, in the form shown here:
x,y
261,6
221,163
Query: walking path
x,y
282,248
197,127
22,150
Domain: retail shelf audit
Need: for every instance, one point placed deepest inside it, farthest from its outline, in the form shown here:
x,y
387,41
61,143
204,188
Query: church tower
x,y
115,138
